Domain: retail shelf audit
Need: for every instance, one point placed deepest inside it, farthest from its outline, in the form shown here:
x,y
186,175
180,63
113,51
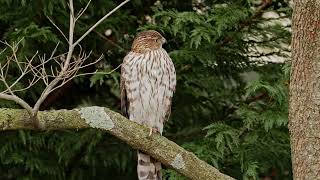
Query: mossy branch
x,y
135,135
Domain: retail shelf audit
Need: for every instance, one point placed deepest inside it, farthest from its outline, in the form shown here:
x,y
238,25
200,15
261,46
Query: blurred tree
x,y
238,126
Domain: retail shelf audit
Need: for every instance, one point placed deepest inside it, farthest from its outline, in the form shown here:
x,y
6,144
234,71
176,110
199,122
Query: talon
x,y
153,130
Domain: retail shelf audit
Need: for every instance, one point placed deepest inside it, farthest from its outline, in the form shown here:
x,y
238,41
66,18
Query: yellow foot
x,y
153,130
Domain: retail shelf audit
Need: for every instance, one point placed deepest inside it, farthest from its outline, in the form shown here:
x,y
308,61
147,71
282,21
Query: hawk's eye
x,y
159,40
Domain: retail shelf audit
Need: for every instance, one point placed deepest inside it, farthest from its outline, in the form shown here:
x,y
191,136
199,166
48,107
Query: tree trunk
x,y
304,111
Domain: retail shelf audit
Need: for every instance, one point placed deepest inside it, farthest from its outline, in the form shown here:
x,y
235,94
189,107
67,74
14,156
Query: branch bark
x,y
135,135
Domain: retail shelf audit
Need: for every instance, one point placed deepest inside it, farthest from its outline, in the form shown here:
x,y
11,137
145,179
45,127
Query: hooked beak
x,y
163,40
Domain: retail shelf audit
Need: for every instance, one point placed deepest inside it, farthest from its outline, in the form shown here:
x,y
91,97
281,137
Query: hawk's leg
x,y
153,130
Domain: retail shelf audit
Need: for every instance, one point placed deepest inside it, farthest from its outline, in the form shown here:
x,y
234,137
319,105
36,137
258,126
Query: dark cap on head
x,y
147,40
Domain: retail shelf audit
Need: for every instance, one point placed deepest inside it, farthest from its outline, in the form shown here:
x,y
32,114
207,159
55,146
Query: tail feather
x,y
148,168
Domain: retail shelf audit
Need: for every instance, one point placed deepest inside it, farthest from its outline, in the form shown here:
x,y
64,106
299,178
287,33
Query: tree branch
x,y
68,71
18,100
135,135
101,20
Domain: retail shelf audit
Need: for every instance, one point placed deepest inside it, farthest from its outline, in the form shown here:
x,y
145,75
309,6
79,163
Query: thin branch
x,y
101,20
52,72
69,66
54,82
102,73
54,50
66,71
64,36
14,48
82,11
95,62
3,50
25,71
31,83
7,65
18,100
5,82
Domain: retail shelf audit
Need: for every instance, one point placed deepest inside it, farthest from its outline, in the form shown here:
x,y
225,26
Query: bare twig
x,y
82,11
8,94
18,100
66,68
100,21
31,83
3,50
69,69
57,28
102,73
24,72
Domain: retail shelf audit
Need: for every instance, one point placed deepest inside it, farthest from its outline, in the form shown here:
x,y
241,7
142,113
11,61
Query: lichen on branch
x,y
135,135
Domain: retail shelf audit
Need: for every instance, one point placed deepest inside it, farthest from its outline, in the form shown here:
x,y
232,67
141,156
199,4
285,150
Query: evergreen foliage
x,y
238,126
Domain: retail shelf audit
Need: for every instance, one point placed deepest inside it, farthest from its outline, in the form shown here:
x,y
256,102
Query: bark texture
x,y
137,136
304,112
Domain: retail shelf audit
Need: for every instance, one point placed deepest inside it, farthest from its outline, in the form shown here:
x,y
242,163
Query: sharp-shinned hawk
x,y
148,80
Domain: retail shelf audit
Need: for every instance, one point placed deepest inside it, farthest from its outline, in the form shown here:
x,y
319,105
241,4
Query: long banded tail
x,y
148,168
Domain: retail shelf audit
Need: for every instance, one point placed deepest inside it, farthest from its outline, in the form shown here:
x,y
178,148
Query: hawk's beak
x,y
163,40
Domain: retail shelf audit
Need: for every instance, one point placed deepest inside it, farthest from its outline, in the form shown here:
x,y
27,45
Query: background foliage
x,y
228,110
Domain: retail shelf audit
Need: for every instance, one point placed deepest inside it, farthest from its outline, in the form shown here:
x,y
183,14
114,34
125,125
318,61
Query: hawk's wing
x,y
123,94
172,85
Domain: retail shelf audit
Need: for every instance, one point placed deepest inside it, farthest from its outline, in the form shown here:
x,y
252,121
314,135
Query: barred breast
x,y
149,81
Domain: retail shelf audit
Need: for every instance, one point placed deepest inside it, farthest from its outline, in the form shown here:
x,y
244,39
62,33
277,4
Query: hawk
x,y
148,81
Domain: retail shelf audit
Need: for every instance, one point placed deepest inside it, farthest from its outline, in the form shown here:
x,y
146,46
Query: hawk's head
x,y
147,41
